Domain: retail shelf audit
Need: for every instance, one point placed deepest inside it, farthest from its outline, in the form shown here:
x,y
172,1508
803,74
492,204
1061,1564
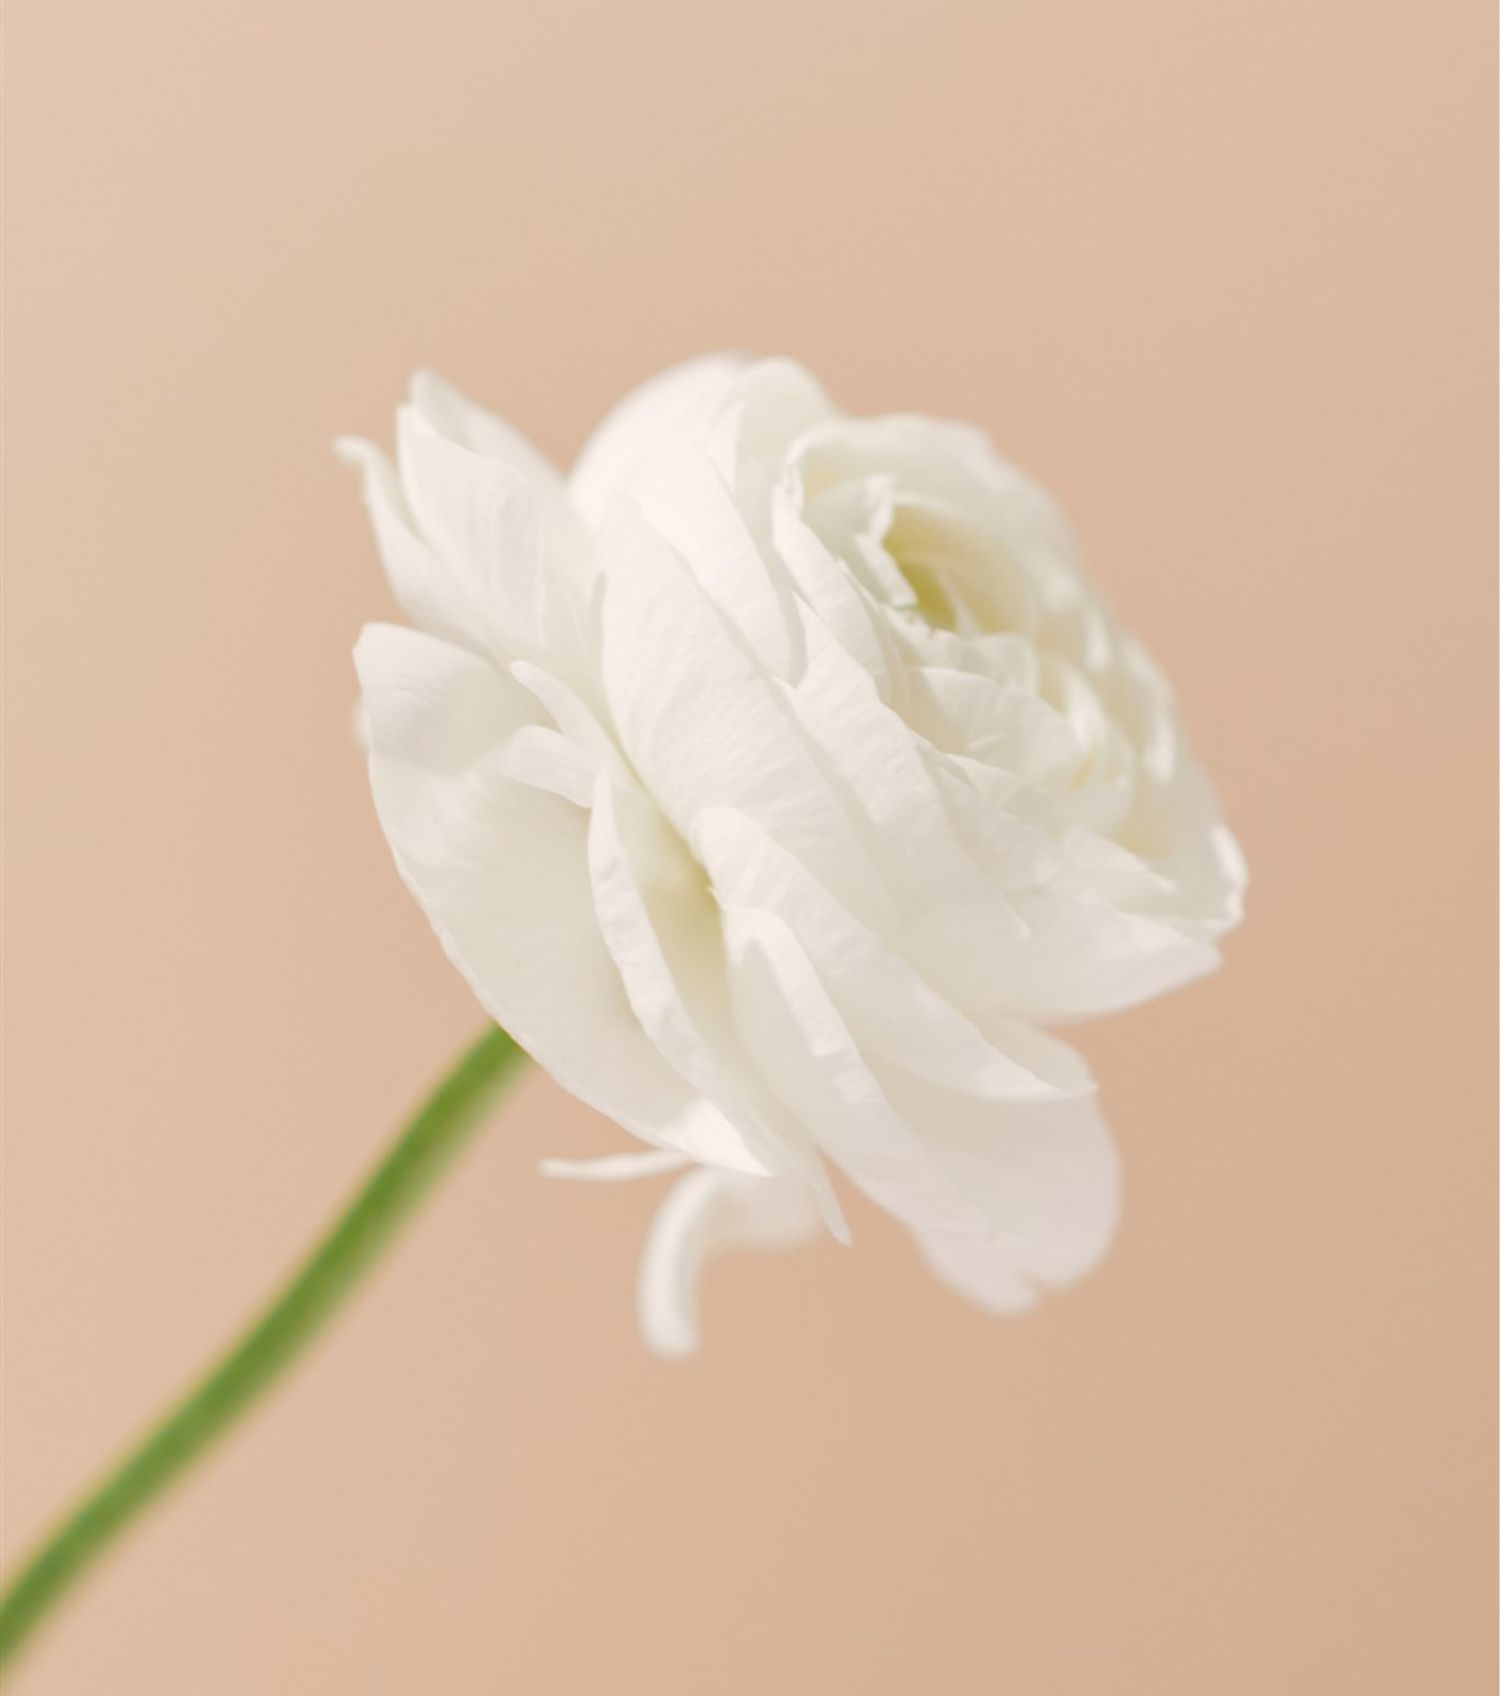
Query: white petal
x,y
775,402
890,780
662,928
1089,958
657,922
888,1006
999,724
616,1168
428,592
704,1214
513,547
696,514
1046,1174
948,465
546,759
1177,824
851,519
703,724
841,604
805,1049
574,713
448,413
1201,860
674,408
737,416
501,870
1074,955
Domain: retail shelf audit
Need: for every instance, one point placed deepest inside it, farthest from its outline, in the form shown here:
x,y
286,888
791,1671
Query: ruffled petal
x,y
649,429
804,1046
696,514
700,720
426,590
622,1168
889,780
546,759
448,413
1047,1176
774,403
998,724
889,1007
738,416
705,1214
501,870
1074,955
662,928
835,597
945,467
517,554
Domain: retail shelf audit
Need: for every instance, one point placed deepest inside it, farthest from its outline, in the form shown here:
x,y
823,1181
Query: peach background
x,y
1223,274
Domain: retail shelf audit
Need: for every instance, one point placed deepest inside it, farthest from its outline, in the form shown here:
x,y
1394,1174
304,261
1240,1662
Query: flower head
x,y
776,779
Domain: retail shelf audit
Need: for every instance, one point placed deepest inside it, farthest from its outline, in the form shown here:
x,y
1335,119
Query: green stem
x,y
442,1125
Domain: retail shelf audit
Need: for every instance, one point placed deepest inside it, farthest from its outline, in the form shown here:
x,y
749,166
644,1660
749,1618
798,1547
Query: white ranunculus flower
x,y
775,779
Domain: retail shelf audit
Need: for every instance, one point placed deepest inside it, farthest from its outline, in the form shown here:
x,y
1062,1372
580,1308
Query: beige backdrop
x,y
1222,273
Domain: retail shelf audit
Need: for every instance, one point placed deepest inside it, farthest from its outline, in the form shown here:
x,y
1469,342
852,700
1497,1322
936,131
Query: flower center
x,y
960,578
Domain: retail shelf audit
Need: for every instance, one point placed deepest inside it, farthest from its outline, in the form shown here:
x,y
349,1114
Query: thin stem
x,y
274,1339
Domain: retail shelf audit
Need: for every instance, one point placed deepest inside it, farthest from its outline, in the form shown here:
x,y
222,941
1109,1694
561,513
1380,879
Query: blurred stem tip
x,y
272,1342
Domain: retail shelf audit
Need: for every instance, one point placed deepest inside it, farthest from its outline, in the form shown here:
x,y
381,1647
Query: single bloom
x,y
779,780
